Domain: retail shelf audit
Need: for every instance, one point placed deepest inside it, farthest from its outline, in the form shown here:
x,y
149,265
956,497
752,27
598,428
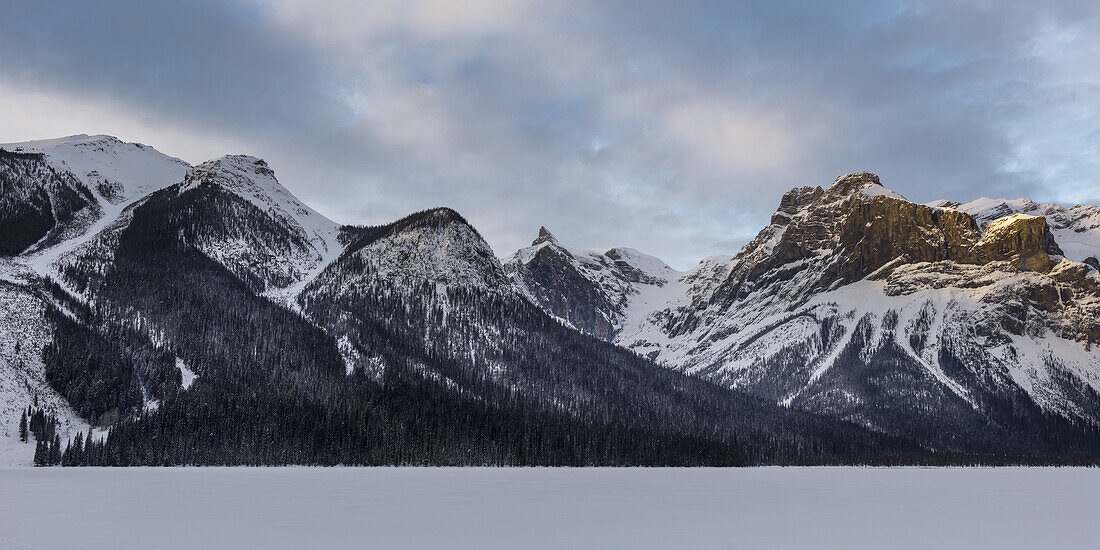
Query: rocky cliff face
x,y
857,226
1076,229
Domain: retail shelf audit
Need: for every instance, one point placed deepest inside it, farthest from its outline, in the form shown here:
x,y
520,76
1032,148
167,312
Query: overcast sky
x,y
671,127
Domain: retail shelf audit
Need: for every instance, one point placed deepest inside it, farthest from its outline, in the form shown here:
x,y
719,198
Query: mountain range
x,y
162,313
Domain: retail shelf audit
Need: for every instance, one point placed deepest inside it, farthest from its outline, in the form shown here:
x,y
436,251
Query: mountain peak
x,y
432,218
76,139
863,182
251,179
116,171
445,214
242,174
219,169
855,181
436,245
544,237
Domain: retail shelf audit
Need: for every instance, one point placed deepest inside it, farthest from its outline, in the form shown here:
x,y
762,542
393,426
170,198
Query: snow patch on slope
x,y
187,376
116,171
875,190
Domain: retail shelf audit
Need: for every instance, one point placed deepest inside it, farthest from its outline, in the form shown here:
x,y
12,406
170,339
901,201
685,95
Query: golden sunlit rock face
x,y
867,227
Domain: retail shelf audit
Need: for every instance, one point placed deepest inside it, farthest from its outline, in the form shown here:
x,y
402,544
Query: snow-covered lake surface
x,y
275,508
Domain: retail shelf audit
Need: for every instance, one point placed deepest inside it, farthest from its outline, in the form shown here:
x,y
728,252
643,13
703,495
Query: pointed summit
x,y
544,237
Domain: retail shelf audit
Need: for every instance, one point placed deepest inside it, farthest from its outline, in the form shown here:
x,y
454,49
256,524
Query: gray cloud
x,y
670,128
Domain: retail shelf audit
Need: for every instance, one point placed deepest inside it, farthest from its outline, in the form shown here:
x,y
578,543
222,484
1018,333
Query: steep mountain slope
x,y
276,260
57,196
962,332
106,176
104,173
26,328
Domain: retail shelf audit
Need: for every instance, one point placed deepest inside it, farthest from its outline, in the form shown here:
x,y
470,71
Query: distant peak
x,y
544,237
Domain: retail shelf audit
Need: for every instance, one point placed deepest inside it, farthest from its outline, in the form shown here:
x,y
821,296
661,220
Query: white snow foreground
x,y
548,508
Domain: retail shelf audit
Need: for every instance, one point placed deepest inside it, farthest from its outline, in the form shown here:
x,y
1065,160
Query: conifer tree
x,y
23,427
55,450
89,457
41,452
76,451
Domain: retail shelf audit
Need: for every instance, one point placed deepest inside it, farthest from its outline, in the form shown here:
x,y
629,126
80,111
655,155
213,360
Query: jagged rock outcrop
x,y
556,284
544,237
1076,230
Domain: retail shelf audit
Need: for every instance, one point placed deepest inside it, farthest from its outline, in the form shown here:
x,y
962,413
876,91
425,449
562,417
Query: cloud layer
x,y
668,127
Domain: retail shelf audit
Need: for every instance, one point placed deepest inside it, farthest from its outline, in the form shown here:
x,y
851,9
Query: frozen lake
x,y
275,508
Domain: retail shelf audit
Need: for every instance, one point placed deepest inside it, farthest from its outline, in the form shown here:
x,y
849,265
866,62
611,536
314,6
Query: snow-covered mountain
x,y
198,313
436,246
420,256
63,192
956,324
205,315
